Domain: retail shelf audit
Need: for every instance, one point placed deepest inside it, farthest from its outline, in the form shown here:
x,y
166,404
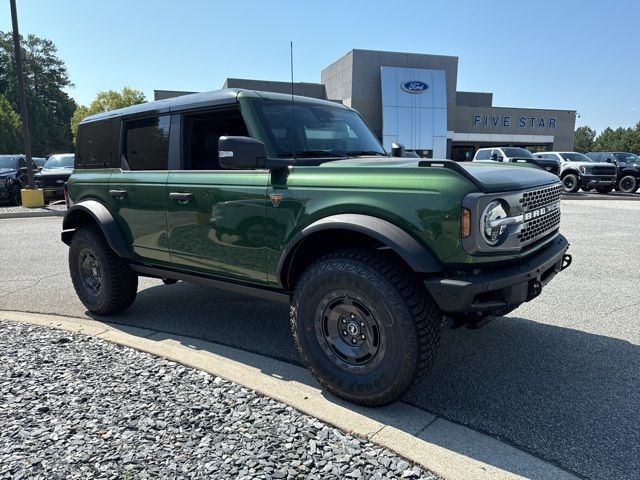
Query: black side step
x,y
264,293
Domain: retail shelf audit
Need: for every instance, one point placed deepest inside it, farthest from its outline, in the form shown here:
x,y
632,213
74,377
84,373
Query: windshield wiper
x,y
357,153
312,154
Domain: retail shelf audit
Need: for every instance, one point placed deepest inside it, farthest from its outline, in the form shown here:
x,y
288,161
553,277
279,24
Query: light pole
x,y
26,139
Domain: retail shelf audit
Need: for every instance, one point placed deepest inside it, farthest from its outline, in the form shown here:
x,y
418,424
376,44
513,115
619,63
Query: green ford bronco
x,y
294,199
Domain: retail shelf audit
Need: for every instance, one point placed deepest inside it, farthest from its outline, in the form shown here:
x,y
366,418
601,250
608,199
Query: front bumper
x,y
500,290
597,180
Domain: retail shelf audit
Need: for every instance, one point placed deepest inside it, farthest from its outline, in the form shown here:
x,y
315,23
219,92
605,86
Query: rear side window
x,y
146,144
483,155
95,146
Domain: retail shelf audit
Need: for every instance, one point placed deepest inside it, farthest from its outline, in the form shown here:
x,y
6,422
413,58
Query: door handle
x,y
181,197
118,193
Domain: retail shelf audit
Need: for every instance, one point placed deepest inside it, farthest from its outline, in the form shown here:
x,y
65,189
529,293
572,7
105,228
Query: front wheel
x,y
628,184
365,325
570,183
103,281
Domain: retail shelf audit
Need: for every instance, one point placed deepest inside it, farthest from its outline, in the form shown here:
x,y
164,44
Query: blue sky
x,y
544,54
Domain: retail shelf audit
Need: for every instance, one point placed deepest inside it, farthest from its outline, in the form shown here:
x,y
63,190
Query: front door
x,y
216,218
138,188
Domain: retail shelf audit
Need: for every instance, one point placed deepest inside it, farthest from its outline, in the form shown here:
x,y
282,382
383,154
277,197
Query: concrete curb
x,y
447,449
49,213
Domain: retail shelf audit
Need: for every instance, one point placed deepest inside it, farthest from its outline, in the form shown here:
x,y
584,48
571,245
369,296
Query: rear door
x,y
216,218
138,188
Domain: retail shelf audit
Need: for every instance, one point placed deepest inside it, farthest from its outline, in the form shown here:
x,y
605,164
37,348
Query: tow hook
x,y
535,288
566,261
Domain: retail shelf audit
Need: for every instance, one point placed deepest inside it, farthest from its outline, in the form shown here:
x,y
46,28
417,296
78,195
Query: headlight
x,y
583,169
493,233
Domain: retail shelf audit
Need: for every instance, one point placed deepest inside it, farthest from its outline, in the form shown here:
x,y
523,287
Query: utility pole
x,y
26,139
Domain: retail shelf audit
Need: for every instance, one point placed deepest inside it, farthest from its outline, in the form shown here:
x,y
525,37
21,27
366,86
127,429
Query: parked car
x,y
628,165
515,155
369,251
579,171
54,175
13,169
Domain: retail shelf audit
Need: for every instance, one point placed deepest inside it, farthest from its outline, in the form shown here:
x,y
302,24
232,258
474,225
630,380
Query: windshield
x,y
518,153
8,162
576,157
320,130
627,157
59,161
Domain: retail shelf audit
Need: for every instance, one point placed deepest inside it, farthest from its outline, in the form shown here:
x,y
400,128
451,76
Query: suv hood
x,y
8,171
55,171
492,178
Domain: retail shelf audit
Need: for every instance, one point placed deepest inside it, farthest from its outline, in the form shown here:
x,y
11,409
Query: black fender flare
x,y
567,171
415,254
629,171
102,217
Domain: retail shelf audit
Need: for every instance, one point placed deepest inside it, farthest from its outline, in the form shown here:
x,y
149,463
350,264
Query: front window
x,y
576,157
8,163
59,161
315,130
517,153
627,157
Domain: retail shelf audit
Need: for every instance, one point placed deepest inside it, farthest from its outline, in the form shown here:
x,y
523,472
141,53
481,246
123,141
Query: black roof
x,y
199,100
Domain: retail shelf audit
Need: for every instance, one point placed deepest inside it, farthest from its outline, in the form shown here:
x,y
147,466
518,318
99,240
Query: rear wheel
x,y
365,325
103,281
570,183
604,189
628,184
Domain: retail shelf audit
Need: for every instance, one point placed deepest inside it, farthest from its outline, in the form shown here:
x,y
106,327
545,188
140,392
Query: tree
x,y
105,101
618,140
10,128
583,139
50,107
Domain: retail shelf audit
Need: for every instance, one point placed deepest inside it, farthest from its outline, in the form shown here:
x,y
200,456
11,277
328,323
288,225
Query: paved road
x,y
559,377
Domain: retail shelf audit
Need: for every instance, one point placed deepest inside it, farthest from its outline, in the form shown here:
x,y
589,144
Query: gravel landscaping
x,y
73,406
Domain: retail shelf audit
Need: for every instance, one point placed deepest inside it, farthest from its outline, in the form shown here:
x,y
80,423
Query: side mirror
x,y
241,153
397,150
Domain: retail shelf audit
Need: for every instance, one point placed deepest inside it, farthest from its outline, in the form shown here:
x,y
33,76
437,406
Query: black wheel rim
x,y
349,332
569,183
90,272
627,184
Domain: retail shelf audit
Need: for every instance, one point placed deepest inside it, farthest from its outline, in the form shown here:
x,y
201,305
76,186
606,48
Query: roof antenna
x,y
293,114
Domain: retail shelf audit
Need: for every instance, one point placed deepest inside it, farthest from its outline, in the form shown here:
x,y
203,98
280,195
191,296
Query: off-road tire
x,y
628,184
118,283
604,189
409,322
570,183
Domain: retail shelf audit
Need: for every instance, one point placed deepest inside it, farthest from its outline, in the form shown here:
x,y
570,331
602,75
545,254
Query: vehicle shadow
x,y
570,397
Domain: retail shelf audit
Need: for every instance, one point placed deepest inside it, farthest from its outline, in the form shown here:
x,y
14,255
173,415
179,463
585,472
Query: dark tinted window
x,y
594,156
483,155
95,145
202,132
576,157
627,157
517,152
146,144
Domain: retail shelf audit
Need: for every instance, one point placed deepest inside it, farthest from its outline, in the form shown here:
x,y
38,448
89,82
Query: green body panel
x,y
91,184
142,214
222,229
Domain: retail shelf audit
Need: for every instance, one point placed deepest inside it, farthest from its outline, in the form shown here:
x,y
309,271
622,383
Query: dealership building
x,y
413,99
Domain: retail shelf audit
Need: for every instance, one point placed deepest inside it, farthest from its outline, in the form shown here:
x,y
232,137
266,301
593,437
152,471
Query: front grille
x,y
539,226
540,198
603,170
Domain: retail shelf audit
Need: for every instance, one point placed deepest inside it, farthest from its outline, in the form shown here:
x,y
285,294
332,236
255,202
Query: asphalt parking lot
x,y
559,377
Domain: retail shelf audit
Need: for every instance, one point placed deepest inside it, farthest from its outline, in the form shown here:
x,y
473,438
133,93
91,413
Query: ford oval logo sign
x,y
415,87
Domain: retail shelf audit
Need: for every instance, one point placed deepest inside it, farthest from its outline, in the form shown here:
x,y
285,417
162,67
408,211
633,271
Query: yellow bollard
x,y
32,198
